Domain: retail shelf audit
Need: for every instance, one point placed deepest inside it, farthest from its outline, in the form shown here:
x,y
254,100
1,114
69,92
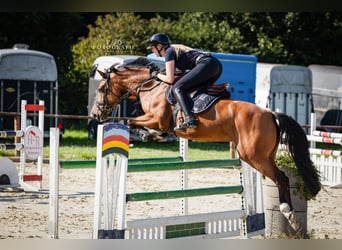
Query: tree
x,y
112,34
202,30
313,38
301,38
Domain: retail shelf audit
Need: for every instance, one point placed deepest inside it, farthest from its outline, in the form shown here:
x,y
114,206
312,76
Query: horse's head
x,y
119,82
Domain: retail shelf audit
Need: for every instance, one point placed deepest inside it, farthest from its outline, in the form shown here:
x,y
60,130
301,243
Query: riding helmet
x,y
159,38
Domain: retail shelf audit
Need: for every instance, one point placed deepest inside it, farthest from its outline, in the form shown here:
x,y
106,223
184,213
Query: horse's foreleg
x,y
147,120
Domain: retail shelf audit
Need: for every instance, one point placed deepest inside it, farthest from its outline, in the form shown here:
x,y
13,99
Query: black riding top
x,y
185,57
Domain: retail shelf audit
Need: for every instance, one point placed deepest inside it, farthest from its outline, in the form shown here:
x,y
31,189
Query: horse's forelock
x,y
114,67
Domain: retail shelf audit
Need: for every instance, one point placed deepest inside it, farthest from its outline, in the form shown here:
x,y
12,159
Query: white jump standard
x,y
31,144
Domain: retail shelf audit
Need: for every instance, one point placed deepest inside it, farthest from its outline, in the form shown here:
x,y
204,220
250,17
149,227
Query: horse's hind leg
x,y
269,169
257,145
282,182
259,151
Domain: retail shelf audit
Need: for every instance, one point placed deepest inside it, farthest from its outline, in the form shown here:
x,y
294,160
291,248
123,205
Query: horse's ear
x,y
103,74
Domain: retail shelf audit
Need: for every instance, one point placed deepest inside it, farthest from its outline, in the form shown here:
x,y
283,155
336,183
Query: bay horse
x,y
255,131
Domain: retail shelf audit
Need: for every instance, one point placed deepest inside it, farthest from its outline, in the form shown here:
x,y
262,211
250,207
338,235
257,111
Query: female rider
x,y
203,69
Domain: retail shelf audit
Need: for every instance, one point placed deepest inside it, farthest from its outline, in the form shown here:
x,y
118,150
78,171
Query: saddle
x,y
203,98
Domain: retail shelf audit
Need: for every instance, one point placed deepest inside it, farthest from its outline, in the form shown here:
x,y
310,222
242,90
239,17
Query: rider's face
x,y
157,49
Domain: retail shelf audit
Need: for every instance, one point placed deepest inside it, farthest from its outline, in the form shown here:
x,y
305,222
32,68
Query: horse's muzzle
x,y
100,117
100,112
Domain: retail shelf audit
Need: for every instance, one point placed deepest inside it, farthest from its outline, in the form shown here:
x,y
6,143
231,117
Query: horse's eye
x,y
101,89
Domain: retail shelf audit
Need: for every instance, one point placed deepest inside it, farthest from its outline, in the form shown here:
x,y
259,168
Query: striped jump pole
x,y
327,161
11,146
11,134
331,140
327,152
327,134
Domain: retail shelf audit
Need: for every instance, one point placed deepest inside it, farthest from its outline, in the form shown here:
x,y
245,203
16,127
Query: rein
x,y
148,89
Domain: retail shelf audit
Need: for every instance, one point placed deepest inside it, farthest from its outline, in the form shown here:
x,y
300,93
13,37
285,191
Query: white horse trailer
x,y
327,91
263,83
291,92
277,84
27,75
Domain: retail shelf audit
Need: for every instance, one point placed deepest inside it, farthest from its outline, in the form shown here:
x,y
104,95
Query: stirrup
x,y
190,122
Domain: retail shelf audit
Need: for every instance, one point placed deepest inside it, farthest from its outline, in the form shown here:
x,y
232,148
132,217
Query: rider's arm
x,y
169,77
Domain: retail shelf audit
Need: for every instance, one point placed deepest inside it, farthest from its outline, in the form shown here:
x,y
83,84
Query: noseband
x,y
103,107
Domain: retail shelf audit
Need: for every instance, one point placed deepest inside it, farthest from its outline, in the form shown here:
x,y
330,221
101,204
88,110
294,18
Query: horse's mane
x,y
141,62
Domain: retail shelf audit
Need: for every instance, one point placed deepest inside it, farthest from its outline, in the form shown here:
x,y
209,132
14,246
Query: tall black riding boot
x,y
184,102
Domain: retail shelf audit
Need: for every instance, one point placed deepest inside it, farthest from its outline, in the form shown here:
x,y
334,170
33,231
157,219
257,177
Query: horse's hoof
x,y
154,132
284,208
290,216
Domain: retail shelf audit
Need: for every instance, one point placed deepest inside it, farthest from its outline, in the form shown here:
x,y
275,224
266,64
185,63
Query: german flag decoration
x,y
115,139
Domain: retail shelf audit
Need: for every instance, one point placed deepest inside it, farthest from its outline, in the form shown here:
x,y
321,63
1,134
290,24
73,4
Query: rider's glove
x,y
154,74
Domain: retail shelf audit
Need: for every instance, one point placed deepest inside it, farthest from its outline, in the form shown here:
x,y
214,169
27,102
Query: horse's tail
x,y
297,142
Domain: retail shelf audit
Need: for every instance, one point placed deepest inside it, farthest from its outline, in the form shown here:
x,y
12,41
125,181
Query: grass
x,y
75,145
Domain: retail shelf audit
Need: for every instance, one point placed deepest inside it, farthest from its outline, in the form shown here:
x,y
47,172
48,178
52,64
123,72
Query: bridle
x,y
103,107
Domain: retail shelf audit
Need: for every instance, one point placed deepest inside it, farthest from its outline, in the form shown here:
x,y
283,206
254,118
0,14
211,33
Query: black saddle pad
x,y
201,101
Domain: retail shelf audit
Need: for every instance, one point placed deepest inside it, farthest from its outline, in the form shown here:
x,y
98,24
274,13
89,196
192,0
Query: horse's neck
x,y
158,111
153,93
